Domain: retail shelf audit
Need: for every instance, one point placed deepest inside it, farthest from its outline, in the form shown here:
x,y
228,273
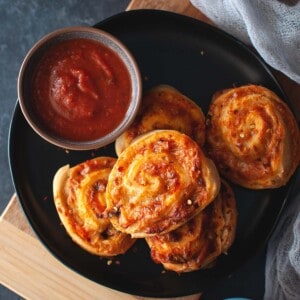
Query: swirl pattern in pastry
x,y
79,197
164,107
253,137
197,244
158,183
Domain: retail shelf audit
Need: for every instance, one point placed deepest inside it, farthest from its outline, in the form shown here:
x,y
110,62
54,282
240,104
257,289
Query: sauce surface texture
x,y
81,90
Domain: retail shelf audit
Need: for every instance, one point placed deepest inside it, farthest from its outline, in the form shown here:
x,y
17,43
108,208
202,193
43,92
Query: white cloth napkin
x,y
283,255
271,26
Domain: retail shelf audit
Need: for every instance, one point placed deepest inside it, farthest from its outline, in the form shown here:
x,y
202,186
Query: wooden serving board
x,y
31,271
28,268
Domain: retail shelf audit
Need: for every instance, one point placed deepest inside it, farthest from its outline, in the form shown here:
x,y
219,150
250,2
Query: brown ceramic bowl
x,y
28,69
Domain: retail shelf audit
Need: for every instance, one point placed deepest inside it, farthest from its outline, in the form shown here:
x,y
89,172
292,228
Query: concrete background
x,y
22,23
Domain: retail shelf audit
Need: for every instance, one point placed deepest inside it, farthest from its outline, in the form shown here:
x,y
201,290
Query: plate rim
x,y
19,193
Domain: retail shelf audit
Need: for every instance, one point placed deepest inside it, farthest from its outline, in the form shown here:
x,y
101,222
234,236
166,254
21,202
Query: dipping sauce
x,y
81,90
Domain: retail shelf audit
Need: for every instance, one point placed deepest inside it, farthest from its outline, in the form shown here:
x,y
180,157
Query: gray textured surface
x,y
22,23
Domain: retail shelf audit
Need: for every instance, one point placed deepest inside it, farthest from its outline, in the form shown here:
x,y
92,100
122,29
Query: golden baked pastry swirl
x,y
79,197
158,183
253,137
197,244
164,107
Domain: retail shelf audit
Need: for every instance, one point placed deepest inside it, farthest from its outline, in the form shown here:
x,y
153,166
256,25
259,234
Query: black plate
x,y
198,60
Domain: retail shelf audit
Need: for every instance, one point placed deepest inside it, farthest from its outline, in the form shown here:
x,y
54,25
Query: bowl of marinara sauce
x,y
79,88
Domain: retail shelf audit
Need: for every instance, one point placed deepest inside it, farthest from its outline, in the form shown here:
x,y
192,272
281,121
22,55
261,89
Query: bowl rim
x,y
135,78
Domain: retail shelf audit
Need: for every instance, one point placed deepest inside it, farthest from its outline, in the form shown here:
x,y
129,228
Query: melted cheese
x,y
79,197
164,107
158,183
253,137
198,243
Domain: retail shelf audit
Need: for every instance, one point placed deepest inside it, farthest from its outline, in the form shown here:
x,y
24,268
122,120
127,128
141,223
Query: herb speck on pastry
x,y
164,107
158,183
79,198
198,243
253,137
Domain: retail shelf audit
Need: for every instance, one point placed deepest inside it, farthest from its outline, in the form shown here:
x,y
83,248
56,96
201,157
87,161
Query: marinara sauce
x,y
81,90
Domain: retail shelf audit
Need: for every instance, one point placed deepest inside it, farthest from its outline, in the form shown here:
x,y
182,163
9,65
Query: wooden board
x,y
31,271
28,268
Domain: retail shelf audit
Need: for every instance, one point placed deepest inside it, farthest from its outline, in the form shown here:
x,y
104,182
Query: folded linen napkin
x,y
272,27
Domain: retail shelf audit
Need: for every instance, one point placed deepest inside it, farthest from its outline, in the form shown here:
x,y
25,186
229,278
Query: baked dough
x,y
197,244
158,183
253,137
164,107
79,197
